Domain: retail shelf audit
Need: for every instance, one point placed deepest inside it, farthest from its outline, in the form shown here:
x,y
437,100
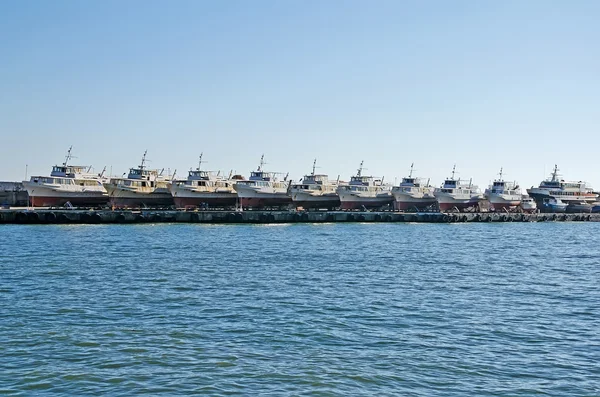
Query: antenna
x,y
200,161
314,166
69,156
26,169
360,168
144,159
555,173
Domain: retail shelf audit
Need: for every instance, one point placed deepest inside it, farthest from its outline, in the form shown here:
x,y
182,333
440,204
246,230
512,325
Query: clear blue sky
x,y
482,84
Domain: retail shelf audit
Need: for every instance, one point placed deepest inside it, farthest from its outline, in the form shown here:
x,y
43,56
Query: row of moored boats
x,y
143,187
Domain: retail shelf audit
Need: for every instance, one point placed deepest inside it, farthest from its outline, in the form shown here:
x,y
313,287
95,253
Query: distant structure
x,y
13,194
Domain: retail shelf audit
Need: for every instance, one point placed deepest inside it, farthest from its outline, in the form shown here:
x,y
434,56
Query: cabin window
x,y
144,184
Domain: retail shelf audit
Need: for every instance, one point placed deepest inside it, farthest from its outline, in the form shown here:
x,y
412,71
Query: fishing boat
x,y
579,207
142,188
202,188
315,191
457,194
552,204
67,184
528,204
365,192
413,193
263,189
503,195
565,191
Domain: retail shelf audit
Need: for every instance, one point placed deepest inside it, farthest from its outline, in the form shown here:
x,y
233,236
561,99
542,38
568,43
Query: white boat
x,y
457,194
413,193
365,192
204,189
315,191
67,183
503,194
263,189
528,204
142,188
565,191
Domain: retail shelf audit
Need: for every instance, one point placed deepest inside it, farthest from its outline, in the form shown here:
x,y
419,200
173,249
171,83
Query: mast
x,y
144,160
68,156
314,166
200,161
453,171
555,173
500,174
360,168
262,162
411,170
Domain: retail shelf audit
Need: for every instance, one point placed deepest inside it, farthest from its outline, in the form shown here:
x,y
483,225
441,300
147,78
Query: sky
x,y
479,84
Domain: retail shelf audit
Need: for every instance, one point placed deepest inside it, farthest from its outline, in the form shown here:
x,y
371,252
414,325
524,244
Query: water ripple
x,y
325,310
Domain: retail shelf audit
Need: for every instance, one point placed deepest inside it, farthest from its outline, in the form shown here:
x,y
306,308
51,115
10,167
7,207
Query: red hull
x,y
262,202
500,207
42,201
141,202
460,206
357,205
329,204
184,202
411,205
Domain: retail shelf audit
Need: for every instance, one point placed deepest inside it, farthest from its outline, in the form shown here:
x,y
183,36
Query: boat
x,y
365,192
565,191
315,191
413,193
552,204
206,189
457,194
503,195
528,204
142,188
67,185
579,207
263,189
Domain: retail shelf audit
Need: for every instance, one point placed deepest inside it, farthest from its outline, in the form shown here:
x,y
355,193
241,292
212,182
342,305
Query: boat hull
x,y
184,198
307,200
262,197
125,198
43,196
503,201
353,202
403,201
448,201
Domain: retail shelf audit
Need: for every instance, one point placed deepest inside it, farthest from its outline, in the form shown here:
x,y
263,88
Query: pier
x,y
79,216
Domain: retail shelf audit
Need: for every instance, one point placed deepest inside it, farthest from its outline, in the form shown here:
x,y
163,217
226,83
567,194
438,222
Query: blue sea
x,y
507,309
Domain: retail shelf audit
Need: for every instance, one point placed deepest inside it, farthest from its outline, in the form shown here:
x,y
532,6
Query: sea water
x,y
507,309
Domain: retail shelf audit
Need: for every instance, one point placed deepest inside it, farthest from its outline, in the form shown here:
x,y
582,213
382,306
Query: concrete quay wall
x,y
47,216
